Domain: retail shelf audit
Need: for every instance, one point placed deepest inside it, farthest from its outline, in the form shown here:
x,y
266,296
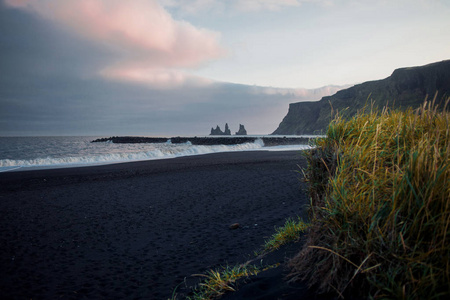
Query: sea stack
x,y
227,130
241,130
218,131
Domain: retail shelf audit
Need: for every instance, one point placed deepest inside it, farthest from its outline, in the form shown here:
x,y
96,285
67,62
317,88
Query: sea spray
x,y
55,152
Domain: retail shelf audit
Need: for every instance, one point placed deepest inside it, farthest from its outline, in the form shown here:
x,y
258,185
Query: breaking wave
x,y
156,151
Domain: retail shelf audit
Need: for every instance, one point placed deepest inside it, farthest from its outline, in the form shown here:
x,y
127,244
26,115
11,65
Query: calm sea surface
x,y
19,153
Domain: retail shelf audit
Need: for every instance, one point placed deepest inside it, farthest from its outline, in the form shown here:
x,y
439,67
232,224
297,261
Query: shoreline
x,y
211,140
140,155
139,229
151,166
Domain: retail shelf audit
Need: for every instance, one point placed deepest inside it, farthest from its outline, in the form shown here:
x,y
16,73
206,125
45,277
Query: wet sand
x,y
137,230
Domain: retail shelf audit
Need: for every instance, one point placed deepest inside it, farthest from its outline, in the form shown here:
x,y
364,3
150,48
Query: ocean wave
x,y
158,151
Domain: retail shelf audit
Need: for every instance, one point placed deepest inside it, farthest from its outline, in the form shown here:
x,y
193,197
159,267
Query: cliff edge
x,y
406,87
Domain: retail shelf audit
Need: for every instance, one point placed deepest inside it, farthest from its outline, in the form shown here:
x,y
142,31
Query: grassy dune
x,y
380,208
379,219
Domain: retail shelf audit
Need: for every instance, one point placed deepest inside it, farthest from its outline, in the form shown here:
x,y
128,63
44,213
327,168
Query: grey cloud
x,y
32,47
49,86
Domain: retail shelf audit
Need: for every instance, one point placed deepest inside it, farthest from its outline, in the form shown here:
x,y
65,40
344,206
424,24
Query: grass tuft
x,y
288,233
217,282
380,208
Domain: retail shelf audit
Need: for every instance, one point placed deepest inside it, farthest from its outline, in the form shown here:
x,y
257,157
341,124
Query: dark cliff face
x,y
406,87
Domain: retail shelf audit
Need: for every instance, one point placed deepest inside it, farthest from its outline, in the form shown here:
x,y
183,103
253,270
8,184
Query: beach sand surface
x,y
138,230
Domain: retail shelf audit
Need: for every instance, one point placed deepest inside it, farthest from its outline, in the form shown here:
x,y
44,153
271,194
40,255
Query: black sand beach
x,y
137,230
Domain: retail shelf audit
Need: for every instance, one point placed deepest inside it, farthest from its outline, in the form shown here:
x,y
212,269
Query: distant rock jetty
x,y
232,140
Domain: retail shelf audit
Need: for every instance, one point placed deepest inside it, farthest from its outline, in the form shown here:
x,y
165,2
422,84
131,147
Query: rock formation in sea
x,y
218,131
406,87
241,130
227,130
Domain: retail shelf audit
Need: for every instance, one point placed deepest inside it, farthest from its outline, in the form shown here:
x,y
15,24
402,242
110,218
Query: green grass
x,y
288,233
219,281
380,209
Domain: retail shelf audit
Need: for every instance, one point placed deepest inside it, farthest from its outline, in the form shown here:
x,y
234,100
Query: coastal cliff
x,y
406,87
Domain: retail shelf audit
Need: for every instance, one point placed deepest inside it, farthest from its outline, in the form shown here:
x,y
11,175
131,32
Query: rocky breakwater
x,y
131,140
208,141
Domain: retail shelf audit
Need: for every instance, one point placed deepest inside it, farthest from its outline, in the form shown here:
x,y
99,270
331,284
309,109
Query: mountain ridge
x,y
405,87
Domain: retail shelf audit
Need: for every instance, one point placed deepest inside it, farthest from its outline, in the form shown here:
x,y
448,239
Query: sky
x,y
173,67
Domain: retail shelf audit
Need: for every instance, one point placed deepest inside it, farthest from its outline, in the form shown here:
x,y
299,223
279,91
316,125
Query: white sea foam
x,y
82,152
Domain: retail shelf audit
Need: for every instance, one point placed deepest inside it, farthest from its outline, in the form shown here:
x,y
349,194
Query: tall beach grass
x,y
380,206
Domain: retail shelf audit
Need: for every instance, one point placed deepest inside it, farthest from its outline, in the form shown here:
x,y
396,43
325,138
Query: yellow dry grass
x,y
380,213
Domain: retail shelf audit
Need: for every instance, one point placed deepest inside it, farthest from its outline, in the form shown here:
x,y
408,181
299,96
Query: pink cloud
x,y
160,78
145,34
194,6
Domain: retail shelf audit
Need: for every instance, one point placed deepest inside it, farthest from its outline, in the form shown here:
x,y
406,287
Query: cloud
x,y
146,39
299,94
196,6
162,78
45,89
255,5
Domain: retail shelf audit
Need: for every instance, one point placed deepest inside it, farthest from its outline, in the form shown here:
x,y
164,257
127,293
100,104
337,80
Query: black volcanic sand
x,y
137,230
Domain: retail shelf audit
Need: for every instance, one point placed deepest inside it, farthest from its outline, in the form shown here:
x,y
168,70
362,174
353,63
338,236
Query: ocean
x,y
25,153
